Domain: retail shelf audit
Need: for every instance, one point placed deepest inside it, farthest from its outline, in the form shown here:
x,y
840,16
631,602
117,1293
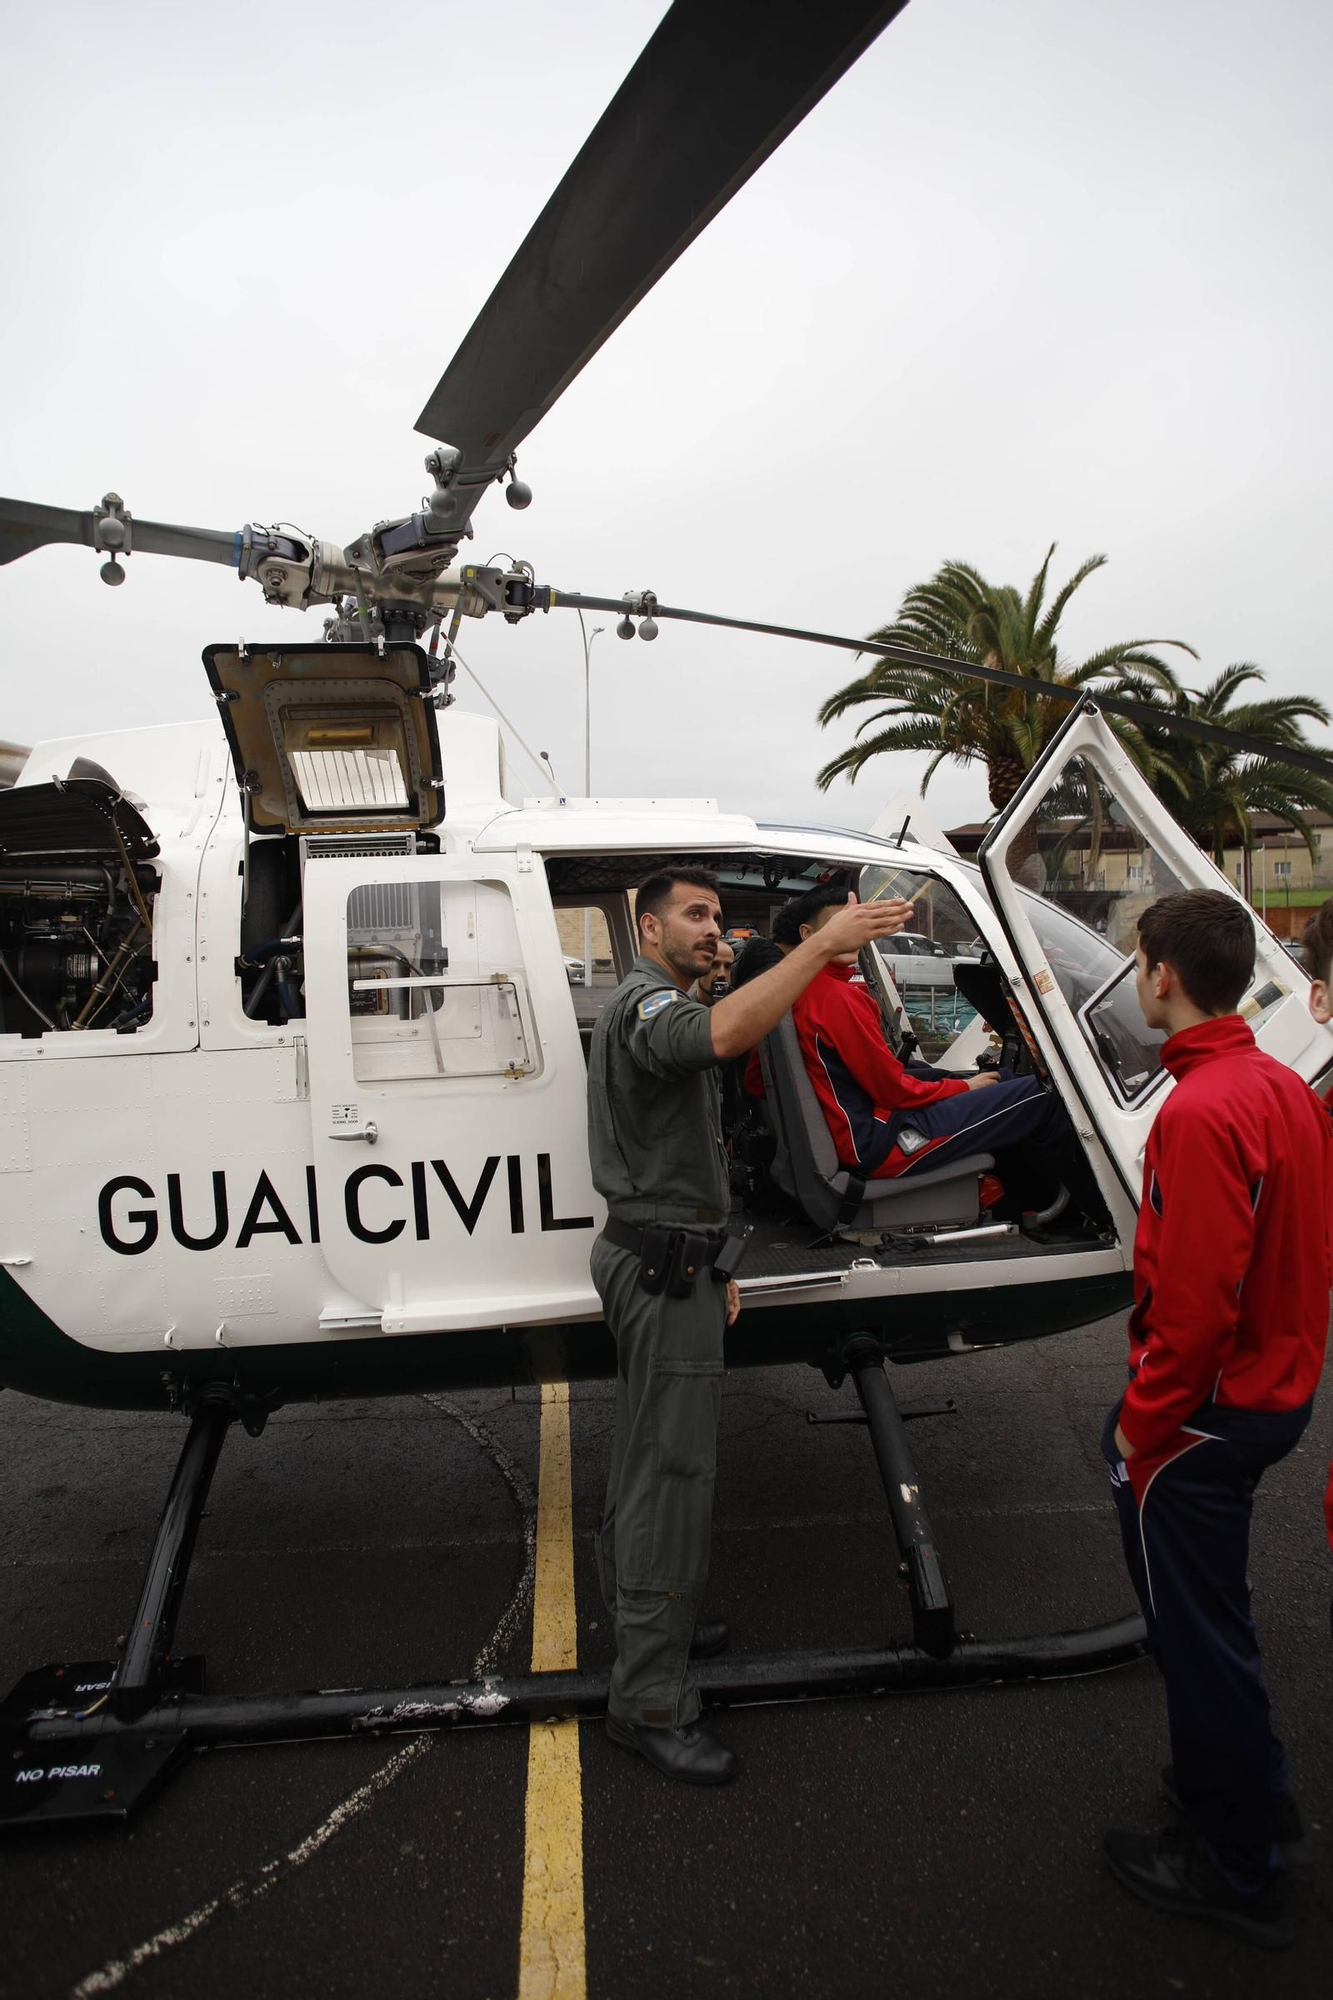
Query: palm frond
x,y
852,761
1043,639
1219,692
1136,653
1037,594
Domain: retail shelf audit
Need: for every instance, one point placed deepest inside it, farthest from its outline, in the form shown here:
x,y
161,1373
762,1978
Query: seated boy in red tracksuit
x,y
889,1119
1317,945
1226,1343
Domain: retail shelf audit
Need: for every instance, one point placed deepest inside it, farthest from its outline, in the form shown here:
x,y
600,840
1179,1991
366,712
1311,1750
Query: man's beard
x,y
682,958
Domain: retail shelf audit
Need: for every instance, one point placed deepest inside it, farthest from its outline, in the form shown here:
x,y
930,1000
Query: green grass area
x,y
1293,899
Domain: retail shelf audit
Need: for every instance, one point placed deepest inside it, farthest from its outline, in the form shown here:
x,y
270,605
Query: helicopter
x,y
293,1073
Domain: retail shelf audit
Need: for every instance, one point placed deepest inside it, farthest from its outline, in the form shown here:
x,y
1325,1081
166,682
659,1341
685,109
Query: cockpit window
x,y
1083,902
1128,1049
1095,972
921,959
435,983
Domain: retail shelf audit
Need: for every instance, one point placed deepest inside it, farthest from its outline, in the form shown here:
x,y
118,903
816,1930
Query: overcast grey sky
x,y
1047,270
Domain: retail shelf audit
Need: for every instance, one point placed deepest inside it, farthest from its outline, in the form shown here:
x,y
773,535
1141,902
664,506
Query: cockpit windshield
x,y
920,959
1095,977
1090,955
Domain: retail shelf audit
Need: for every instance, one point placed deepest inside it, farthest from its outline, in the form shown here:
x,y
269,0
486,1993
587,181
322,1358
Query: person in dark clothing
x,y
655,1145
761,954
1226,1343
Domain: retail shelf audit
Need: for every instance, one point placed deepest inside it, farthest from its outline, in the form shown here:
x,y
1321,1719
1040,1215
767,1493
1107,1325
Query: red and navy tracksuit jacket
x,y
1231,1281
859,1082
1232,1253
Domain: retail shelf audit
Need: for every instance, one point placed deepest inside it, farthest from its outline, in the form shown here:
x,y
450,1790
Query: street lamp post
x,y
588,638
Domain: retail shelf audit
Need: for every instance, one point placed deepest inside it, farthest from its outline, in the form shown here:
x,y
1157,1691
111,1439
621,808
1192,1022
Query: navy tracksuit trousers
x,y
1024,1127
1185,1522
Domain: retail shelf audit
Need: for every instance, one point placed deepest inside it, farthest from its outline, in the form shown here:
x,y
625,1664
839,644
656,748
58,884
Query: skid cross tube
x,y
777,1677
87,1741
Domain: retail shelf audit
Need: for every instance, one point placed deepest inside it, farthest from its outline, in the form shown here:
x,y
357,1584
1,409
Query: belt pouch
x,y
654,1259
687,1256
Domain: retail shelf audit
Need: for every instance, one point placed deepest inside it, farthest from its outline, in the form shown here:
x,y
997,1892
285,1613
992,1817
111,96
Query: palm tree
x,y
1213,792
962,617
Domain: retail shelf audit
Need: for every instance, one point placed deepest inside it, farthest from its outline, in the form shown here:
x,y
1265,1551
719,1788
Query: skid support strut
x,y
146,1663
86,1740
932,1606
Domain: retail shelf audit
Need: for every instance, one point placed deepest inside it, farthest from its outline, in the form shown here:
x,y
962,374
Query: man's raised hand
x,y
858,924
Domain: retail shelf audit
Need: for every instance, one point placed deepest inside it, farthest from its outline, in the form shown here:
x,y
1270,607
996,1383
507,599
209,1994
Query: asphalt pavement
x,y
924,1846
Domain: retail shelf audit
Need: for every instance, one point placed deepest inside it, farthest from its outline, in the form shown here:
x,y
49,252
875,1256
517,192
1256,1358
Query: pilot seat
x,y
806,1165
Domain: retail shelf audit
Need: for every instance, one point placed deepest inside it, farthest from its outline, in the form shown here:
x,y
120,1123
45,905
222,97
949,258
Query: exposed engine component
x,y
74,953
77,888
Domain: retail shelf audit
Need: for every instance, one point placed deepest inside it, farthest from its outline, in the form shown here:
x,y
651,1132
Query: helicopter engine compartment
x,y
77,894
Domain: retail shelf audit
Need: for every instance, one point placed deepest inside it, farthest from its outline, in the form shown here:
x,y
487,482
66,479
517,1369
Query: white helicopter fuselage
x,y
279,1202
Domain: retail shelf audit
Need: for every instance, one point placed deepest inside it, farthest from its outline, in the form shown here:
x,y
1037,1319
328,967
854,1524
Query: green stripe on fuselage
x,y
39,1359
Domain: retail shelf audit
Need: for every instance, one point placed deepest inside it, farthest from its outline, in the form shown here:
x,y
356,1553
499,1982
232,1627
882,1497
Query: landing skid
x,y
88,1740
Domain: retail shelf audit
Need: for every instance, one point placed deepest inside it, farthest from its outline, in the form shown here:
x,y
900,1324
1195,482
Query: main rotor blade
x,y
165,538
1141,712
25,526
718,87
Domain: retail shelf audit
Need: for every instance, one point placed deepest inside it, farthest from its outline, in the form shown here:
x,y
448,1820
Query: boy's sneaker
x,y
1288,1826
1171,1872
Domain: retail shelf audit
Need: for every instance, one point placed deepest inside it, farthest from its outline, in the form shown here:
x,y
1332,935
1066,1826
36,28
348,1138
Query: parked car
x,y
915,942
575,971
917,960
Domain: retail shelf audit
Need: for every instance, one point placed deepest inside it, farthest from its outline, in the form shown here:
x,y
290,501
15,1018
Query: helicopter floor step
x,y
784,1248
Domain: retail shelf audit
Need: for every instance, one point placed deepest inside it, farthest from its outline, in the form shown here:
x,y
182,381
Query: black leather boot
x,y
711,1636
690,1755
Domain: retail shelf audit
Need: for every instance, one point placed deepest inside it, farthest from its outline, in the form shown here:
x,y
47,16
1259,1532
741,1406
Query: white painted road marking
x,y
252,1888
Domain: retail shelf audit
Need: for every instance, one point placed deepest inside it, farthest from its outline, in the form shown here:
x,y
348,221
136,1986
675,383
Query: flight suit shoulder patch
x,y
655,1002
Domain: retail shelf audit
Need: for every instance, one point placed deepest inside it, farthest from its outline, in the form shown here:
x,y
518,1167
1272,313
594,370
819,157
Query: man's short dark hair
x,y
825,896
655,893
786,927
1208,941
1317,943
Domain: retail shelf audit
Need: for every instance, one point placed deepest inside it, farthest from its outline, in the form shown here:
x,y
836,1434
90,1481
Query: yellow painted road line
x,y
552,1952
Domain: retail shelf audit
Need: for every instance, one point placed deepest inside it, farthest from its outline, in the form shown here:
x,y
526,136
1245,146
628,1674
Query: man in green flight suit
x,y
655,1140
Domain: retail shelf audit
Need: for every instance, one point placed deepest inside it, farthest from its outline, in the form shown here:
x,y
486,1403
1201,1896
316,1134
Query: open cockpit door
x,y
330,739
1079,853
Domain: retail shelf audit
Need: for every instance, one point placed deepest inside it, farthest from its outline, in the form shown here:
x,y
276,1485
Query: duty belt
x,y
629,1236
671,1259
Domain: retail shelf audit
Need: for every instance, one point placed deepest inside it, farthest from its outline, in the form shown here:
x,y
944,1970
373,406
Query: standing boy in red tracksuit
x,y
1231,1279
1317,945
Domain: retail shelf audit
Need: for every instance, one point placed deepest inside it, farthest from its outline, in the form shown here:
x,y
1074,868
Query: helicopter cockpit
x,y
927,1005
